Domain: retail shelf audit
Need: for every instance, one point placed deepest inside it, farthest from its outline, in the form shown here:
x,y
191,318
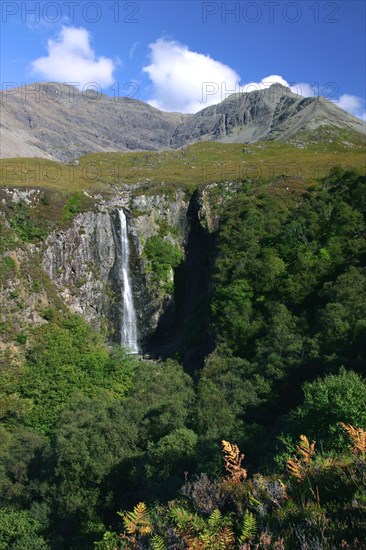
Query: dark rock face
x,y
184,326
57,121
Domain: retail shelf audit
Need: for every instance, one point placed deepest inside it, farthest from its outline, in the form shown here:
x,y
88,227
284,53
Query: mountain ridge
x,y
45,120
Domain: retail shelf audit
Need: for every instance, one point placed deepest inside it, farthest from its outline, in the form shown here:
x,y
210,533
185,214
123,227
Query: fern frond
x,y
195,543
138,520
252,500
197,524
181,517
233,459
204,539
295,468
358,437
300,467
222,540
225,539
305,449
157,543
215,521
249,528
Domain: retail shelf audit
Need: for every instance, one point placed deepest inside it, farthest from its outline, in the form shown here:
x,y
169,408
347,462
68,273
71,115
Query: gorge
x,y
236,296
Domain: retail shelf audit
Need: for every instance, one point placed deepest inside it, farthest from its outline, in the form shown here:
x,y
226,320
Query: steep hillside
x,y
57,121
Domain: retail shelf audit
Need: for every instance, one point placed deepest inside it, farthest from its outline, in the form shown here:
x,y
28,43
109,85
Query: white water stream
x,y
129,334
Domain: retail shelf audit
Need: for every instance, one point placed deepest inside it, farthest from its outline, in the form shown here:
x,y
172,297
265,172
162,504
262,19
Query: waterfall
x,y
129,338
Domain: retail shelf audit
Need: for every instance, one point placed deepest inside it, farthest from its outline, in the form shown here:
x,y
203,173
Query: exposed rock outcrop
x,y
83,261
79,261
273,113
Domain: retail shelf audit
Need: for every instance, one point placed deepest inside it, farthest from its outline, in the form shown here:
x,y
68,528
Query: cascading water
x,y
129,335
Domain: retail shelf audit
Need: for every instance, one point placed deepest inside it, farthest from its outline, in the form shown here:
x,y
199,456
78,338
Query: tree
x,y
327,401
94,437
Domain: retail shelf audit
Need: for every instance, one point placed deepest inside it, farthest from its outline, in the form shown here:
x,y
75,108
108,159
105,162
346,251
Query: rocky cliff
x,y
84,260
79,261
77,266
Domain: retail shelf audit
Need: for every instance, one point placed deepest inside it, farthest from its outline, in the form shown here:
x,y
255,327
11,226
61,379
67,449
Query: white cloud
x,y
300,88
353,104
71,59
264,83
186,81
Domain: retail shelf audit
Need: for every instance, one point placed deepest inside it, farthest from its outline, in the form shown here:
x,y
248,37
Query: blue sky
x,y
185,55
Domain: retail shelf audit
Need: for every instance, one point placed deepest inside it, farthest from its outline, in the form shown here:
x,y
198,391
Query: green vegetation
x,y
304,506
27,228
67,358
73,205
31,219
20,530
164,257
327,401
8,269
190,167
87,431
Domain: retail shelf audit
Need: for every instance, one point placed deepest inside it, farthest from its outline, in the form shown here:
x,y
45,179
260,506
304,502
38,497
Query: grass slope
x,y
310,157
